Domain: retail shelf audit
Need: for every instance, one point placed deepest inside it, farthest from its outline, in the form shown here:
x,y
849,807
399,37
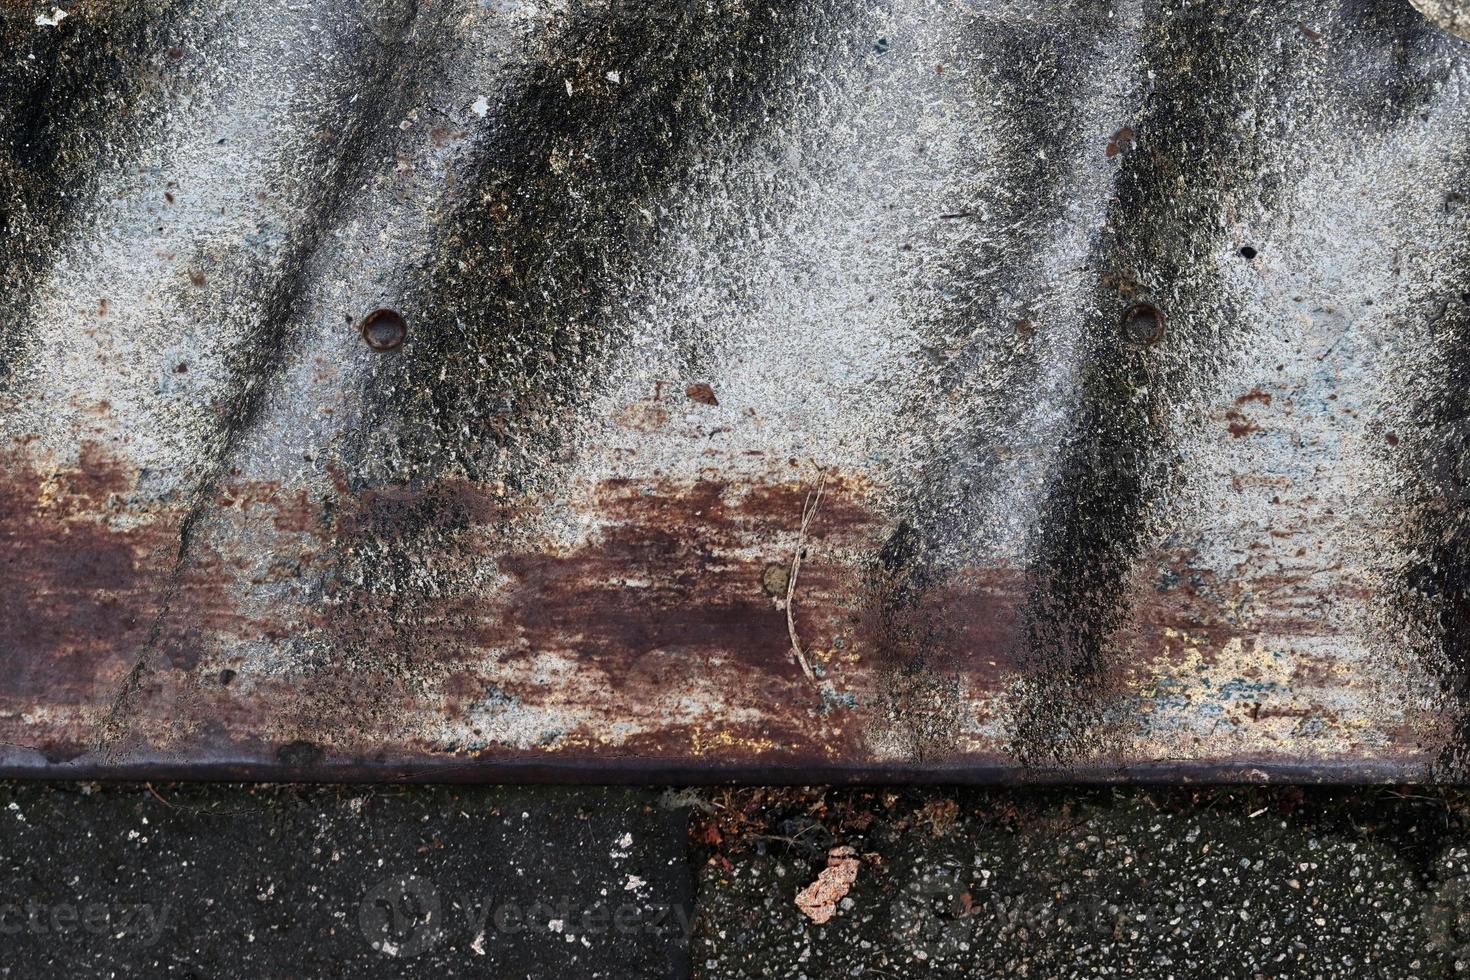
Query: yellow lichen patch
x,y
701,743
1244,696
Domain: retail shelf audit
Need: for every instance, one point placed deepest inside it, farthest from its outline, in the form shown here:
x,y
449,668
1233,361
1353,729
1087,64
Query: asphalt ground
x,y
225,881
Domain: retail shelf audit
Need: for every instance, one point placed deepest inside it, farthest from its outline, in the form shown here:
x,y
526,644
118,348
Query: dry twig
x,y
808,514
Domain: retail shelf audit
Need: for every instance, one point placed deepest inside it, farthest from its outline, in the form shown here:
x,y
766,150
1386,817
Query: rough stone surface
x,y
1452,15
1128,342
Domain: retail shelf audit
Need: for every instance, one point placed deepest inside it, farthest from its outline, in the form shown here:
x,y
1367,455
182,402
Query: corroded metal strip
x,y
451,390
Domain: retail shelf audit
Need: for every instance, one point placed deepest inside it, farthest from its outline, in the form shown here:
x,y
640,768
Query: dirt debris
x,y
819,899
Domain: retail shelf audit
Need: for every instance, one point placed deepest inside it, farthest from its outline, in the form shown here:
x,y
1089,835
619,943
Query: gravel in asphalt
x,y
216,881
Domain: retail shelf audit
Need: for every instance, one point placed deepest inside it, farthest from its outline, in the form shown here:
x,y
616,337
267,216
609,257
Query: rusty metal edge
x,y
651,771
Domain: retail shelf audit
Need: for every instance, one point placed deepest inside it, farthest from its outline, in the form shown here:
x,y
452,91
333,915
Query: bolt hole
x,y
384,330
1143,324
1247,252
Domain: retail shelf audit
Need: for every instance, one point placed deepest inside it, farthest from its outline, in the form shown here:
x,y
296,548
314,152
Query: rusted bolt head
x,y
1143,324
384,330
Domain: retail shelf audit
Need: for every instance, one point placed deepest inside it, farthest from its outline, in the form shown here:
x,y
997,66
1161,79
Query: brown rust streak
x,y
673,568
665,589
80,578
1174,593
1274,602
671,584
87,565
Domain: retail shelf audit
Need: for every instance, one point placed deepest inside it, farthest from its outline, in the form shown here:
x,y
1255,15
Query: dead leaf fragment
x,y
819,899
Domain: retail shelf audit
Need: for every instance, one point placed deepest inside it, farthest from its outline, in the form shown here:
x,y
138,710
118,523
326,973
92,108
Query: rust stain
x,y
642,416
1121,142
1175,596
675,576
1240,425
81,576
671,583
701,392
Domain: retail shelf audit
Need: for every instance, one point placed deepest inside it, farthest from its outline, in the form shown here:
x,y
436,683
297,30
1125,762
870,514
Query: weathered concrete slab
x,y
919,389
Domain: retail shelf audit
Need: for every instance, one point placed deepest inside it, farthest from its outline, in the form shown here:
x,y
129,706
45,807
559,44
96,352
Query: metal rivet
x,y
384,330
1143,324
